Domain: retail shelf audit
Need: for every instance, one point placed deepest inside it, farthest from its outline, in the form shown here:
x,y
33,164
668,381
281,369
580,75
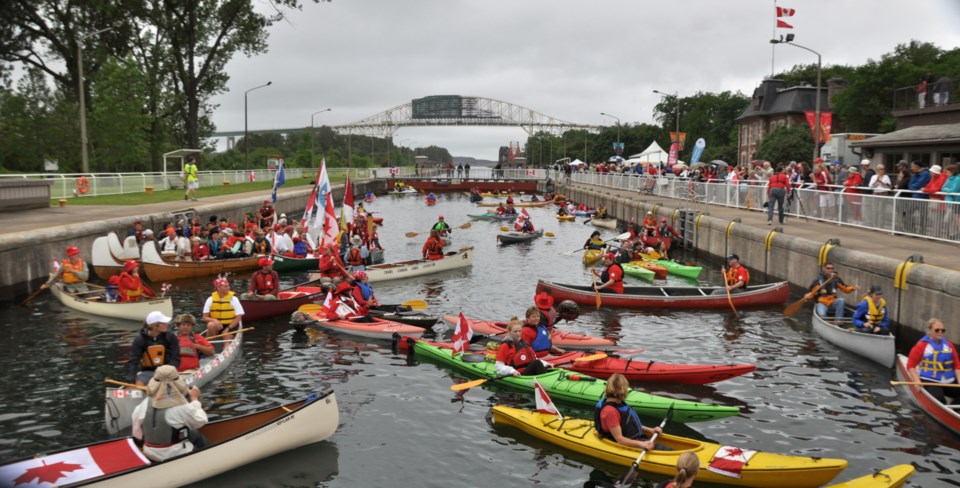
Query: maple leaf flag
x,y
785,12
346,211
462,335
544,403
331,226
729,461
74,466
523,217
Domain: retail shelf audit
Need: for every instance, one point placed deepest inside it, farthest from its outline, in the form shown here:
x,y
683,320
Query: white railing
x,y
475,173
896,212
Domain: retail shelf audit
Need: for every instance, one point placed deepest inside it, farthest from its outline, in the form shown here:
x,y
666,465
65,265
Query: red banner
x,y
672,159
826,121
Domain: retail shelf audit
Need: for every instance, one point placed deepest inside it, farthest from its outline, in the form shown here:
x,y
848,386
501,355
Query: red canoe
x,y
649,371
289,300
560,338
947,416
669,296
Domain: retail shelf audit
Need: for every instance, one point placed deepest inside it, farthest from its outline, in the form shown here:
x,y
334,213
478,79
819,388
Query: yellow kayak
x,y
762,470
566,217
591,256
894,477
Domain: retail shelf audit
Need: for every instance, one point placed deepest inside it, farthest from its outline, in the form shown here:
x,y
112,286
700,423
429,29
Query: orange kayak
x,y
370,327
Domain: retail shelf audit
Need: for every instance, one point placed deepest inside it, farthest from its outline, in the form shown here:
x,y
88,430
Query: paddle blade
x,y
654,255
549,234
504,229
465,226
468,385
621,237
593,357
415,304
794,307
310,308
411,234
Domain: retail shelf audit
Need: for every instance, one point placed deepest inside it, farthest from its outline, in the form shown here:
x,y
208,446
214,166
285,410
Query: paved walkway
x,y
899,247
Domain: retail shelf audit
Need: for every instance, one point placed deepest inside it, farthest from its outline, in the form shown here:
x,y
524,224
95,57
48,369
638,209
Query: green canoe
x,y
637,271
678,269
586,391
285,264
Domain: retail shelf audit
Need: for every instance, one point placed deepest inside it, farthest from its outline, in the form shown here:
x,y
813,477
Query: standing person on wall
x,y
192,178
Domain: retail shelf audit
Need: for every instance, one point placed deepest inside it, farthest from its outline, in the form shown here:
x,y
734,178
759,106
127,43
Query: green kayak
x,y
285,264
562,385
678,269
637,271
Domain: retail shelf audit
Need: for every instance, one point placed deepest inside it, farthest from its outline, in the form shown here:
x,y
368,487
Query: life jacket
x,y
354,257
221,309
827,293
69,276
605,276
365,290
433,247
548,319
128,293
261,246
264,283
731,277
542,342
876,312
189,355
154,356
936,365
630,426
523,354
157,432
595,244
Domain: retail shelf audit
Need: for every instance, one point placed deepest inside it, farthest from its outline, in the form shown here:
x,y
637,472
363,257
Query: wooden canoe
x,y
604,223
288,301
517,237
416,267
878,348
159,269
669,296
108,255
119,403
948,415
234,442
93,302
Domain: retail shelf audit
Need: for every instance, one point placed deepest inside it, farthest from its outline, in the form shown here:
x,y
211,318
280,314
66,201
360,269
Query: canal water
x,y
400,425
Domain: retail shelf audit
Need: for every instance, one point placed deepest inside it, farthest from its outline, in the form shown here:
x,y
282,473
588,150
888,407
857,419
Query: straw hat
x,y
166,389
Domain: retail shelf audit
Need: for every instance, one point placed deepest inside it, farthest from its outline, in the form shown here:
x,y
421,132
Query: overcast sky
x,y
567,59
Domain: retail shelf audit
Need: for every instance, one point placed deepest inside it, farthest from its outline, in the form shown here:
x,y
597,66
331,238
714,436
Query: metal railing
x,y
475,173
896,212
905,98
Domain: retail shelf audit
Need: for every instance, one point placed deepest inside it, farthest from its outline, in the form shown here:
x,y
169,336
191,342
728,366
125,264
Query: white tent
x,y
576,162
654,154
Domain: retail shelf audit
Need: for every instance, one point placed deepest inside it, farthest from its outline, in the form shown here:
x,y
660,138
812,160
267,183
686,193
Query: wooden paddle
x,y
729,298
415,234
230,333
621,237
471,384
596,290
631,475
795,307
915,383
33,295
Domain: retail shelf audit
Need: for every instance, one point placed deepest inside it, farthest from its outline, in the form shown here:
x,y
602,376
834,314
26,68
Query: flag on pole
x,y
784,12
315,206
523,217
278,180
346,211
544,403
330,225
462,335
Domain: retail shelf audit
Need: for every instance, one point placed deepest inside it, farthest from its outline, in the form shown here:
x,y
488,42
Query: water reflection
x,y
308,466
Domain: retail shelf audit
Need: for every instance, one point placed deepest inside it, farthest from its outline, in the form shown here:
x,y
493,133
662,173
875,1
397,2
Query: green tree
x,y
118,124
711,116
794,143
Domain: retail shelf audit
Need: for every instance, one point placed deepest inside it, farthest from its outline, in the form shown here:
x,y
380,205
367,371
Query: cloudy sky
x,y
567,59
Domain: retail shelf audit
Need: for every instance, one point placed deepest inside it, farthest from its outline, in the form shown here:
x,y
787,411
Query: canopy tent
x,y
576,162
653,154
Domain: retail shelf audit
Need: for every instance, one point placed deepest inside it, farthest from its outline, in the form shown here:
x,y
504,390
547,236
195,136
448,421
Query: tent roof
x,y
652,149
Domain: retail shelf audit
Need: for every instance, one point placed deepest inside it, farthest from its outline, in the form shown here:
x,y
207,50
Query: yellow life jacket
x,y
221,309
69,276
153,356
876,311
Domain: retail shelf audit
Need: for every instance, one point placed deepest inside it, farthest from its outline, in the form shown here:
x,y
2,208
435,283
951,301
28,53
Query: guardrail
x,y
895,213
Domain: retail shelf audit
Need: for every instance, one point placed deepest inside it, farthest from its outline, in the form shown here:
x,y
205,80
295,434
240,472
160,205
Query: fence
x,y
475,173
896,212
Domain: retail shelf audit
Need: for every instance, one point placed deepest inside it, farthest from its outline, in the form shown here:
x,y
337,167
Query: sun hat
x,y
543,300
865,162
166,389
130,265
73,250
360,275
158,317
936,169
147,232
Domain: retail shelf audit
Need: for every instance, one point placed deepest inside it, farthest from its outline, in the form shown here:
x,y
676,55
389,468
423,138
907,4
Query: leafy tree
x,y
711,116
793,143
118,124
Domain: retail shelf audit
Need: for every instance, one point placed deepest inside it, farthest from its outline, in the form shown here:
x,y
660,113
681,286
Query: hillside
x,y
472,161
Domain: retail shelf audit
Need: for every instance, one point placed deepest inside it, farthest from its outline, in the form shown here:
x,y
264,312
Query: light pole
x,y
246,140
618,129
676,96
312,156
816,130
85,161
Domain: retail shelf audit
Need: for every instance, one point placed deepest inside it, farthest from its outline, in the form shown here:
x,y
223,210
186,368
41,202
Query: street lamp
x,y
618,129
312,156
83,101
816,136
246,140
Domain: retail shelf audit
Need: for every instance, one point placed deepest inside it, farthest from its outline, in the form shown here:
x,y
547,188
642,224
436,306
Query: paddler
x,y
735,279
433,248
612,275
341,305
332,269
594,241
168,424
265,282
363,293
548,315
515,356
130,287
431,198
509,200
222,311
650,225
268,214
442,227
193,346
73,272
538,336
934,360
153,347
356,255
614,419
527,226
666,230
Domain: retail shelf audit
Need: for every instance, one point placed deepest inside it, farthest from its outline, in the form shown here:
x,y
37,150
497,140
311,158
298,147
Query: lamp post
x,y
246,140
312,156
618,128
676,96
816,130
84,158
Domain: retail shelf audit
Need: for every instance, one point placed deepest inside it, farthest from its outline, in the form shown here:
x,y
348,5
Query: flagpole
x,y
773,47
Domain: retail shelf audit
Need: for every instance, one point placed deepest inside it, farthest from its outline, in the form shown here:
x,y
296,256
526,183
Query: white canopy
x,y
654,153
576,162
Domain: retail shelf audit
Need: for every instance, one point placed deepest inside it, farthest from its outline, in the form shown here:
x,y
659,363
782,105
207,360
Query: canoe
x,y
947,415
679,269
516,237
234,442
369,327
492,195
515,204
658,272
119,403
108,254
286,264
288,301
561,338
416,267
566,218
762,470
577,389
93,303
158,269
894,477
591,256
494,216
669,296
878,348
637,271
604,223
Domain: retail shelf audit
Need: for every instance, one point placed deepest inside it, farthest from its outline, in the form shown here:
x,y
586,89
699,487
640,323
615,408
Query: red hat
x,y
609,255
296,239
663,219
130,265
171,231
543,300
342,287
277,227
289,228
818,160
73,250
114,280
266,201
265,262
232,226
441,217
223,225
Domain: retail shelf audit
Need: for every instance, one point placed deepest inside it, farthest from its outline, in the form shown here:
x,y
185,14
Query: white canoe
x,y
120,402
109,254
878,348
416,267
234,442
604,223
94,304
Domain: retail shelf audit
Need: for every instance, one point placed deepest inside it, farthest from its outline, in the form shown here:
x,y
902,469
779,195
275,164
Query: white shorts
x,y
193,185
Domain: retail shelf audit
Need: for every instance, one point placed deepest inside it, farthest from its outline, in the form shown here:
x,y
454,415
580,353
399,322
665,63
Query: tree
x,y
793,143
711,116
118,124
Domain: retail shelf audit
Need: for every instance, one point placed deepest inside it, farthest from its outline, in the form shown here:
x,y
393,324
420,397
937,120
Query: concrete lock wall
x,y
29,255
923,291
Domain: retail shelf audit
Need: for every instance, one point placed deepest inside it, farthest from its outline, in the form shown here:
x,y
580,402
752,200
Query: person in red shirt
x,y
193,346
515,356
650,225
200,250
934,361
341,305
617,421
612,275
433,248
736,278
851,192
331,267
538,335
778,189
264,284
268,214
363,293
130,287
937,180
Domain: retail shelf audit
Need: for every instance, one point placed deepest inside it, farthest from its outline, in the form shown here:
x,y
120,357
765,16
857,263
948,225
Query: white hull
x,y
604,224
878,348
119,403
104,262
420,267
122,310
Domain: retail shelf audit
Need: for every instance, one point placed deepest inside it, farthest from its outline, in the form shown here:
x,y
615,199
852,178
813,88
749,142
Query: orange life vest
x,y
69,276
354,258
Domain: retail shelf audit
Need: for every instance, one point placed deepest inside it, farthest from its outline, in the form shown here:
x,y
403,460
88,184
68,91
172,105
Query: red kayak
x,y
636,370
570,340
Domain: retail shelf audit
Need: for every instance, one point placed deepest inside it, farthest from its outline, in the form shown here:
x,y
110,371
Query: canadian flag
x,y
531,172
729,461
518,224
394,171
462,335
331,227
784,12
74,466
544,403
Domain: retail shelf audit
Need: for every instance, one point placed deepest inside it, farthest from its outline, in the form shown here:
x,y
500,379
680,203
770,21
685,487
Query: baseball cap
x,y
265,262
157,316
609,255
733,256
876,289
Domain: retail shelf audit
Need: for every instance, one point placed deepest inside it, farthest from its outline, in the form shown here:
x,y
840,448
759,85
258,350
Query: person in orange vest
x,y
130,287
433,248
193,346
736,278
73,273
331,267
264,284
356,255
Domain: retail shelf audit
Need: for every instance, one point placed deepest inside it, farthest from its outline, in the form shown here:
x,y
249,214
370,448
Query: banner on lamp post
x,y
682,138
672,159
698,150
826,121
618,148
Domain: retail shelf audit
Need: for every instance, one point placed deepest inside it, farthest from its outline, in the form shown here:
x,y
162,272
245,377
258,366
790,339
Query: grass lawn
x,y
171,195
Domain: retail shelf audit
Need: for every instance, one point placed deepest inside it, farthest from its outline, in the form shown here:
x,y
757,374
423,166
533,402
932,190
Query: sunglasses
x,y
939,330
829,267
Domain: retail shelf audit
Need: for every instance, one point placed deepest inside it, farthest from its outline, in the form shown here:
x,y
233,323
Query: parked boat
x,y
761,470
515,204
93,302
637,271
108,254
576,389
560,338
159,269
120,402
369,327
566,218
878,348
416,267
517,237
286,264
610,223
288,301
234,442
948,415
494,216
894,477
591,256
669,296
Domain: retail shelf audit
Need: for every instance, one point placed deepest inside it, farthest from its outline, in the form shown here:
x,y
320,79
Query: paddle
x,y
915,383
595,289
621,237
33,295
631,475
230,333
415,234
795,307
471,384
729,298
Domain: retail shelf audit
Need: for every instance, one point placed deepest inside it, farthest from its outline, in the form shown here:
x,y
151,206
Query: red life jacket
x,y
354,257
189,356
266,283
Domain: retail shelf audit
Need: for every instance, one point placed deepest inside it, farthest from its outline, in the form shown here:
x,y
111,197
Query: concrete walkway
x,y
898,247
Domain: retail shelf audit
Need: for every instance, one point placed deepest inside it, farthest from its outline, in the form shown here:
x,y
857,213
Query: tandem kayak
x,y
638,271
369,327
761,469
517,237
669,296
659,272
560,338
577,389
679,269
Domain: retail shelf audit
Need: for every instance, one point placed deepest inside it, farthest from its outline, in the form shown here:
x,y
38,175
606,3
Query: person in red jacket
x,y
264,284
937,180
363,293
851,192
612,275
193,346
130,287
515,356
331,267
433,248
